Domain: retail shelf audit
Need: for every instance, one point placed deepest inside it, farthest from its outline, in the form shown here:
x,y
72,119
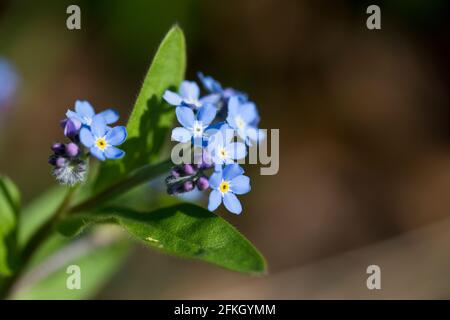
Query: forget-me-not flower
x,y
102,140
189,95
85,113
222,148
225,186
194,125
244,118
213,86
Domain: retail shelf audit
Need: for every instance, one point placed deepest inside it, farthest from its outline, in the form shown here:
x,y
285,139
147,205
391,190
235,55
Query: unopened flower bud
x,y
174,173
72,149
202,183
58,148
71,127
188,169
52,160
60,162
188,186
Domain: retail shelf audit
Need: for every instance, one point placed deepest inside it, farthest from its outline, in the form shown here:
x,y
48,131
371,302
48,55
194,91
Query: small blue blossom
x,y
102,140
194,125
225,186
213,86
244,118
189,95
84,113
222,149
8,81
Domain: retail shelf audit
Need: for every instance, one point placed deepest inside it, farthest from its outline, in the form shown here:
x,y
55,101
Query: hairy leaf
x,y
151,118
184,230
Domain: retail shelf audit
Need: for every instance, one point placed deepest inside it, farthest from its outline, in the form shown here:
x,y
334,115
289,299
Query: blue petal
x,y
84,109
210,98
98,126
181,134
185,116
237,150
189,90
227,133
248,112
72,115
215,199
255,134
114,153
172,98
209,83
215,179
242,134
206,114
116,135
240,184
232,203
86,137
233,106
96,152
231,171
110,115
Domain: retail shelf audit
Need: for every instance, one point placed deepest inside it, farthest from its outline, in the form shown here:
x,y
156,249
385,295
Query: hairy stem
x,y
134,179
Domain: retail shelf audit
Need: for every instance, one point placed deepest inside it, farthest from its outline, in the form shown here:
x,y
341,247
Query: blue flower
x,y
225,186
102,140
214,86
85,113
189,95
8,81
222,149
194,125
244,118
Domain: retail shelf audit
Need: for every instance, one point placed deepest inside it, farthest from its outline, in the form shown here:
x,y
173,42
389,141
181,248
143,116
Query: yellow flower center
x,y
240,122
198,129
223,153
224,186
101,143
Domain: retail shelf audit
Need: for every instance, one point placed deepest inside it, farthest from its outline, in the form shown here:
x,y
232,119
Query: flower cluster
x,y
89,134
222,124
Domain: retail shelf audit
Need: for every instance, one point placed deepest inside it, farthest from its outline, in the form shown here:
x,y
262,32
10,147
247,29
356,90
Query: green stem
x,y
134,179
36,240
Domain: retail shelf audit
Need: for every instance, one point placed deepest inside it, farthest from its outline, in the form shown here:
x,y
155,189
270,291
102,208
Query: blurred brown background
x,y
363,116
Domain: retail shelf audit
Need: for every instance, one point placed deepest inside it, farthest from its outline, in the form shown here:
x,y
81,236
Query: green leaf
x,y
151,118
9,211
184,230
38,212
97,265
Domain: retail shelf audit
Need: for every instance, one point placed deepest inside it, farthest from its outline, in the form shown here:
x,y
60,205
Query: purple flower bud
x,y
174,173
72,149
188,169
188,186
203,160
60,162
52,160
202,183
58,148
71,127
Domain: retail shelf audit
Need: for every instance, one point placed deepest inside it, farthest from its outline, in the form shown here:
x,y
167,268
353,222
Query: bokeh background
x,y
364,127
